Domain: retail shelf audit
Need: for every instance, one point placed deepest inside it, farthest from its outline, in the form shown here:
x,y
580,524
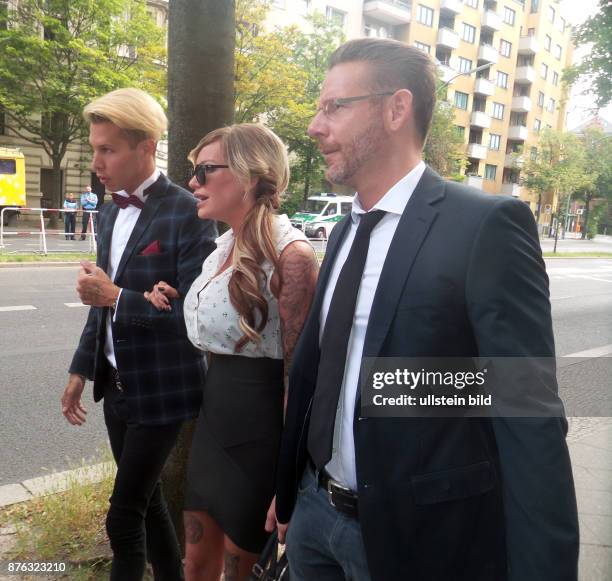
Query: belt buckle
x,y
332,483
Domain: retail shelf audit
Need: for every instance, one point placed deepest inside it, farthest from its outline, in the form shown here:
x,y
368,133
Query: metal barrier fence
x,y
44,233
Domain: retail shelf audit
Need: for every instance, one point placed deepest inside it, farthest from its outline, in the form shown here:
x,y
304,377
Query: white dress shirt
x,y
341,467
122,230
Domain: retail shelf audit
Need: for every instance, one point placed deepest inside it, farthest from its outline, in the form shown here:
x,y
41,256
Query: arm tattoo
x,y
193,529
298,277
231,567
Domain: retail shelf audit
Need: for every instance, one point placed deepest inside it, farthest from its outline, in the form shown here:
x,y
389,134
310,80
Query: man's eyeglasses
x,y
328,108
201,170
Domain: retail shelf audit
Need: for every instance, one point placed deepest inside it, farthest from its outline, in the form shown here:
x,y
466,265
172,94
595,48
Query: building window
x,y
461,100
425,15
460,131
469,33
551,105
304,7
505,48
465,65
562,24
540,99
471,3
336,16
544,71
424,47
494,141
502,80
498,111
531,32
534,6
533,154
490,172
547,41
555,79
509,16
558,51
536,125
551,14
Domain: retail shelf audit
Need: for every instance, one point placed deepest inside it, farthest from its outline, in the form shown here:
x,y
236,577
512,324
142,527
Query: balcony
x,y
518,132
393,12
474,181
528,45
480,119
448,38
512,160
487,53
521,104
454,6
525,75
447,73
491,20
483,86
511,190
476,151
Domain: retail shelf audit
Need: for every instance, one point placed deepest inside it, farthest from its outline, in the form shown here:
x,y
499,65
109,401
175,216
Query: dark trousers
x,y
69,223
86,215
138,524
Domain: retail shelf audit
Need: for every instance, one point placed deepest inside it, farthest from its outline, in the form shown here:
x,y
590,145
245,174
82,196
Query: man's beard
x,y
364,147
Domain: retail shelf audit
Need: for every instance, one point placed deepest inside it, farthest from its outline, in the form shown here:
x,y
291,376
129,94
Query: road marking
x,y
18,308
75,305
595,352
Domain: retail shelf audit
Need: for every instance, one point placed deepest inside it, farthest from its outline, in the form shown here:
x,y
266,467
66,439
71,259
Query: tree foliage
x,y
597,65
57,55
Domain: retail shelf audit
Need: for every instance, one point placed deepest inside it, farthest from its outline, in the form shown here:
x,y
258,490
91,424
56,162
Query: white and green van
x,y
321,213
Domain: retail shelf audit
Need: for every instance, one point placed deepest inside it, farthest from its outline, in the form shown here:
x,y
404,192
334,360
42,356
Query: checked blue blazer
x,y
161,371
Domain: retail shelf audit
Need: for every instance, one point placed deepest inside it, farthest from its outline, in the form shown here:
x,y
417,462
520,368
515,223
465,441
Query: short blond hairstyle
x,y
138,114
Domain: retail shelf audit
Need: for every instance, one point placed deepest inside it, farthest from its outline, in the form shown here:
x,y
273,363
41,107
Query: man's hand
x,y
95,287
272,523
72,408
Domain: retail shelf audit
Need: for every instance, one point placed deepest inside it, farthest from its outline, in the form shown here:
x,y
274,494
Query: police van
x,y
12,180
321,213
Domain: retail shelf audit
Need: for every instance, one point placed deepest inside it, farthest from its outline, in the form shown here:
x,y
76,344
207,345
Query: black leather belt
x,y
115,379
343,499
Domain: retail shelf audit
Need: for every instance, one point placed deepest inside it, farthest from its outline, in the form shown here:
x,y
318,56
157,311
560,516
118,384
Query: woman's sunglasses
x,y
202,169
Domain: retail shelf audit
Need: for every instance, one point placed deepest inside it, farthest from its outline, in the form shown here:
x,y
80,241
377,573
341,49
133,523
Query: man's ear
x,y
149,146
399,111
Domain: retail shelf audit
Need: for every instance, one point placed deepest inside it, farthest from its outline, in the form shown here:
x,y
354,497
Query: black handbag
x,y
269,567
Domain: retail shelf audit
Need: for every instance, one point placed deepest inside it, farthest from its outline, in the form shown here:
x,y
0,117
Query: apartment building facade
x,y
502,60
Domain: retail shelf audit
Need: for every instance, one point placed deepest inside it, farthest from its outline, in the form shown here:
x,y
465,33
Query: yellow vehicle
x,y
12,180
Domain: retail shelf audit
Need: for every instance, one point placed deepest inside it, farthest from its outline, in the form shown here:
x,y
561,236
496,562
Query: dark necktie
x,y
124,201
334,343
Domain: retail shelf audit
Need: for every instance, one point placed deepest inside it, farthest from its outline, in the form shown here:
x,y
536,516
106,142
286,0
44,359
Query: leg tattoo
x,y
231,566
193,529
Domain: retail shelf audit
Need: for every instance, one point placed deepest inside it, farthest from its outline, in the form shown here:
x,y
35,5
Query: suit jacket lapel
x,y
105,235
412,229
154,198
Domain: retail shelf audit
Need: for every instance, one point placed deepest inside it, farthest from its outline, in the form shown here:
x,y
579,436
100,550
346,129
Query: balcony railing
x,y
476,151
393,12
448,38
528,45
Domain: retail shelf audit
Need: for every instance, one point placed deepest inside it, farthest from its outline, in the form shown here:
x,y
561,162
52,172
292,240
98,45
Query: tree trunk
x,y
201,38
56,195
585,228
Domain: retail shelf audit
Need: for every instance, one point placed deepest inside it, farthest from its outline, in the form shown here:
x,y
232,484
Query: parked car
x,y
321,213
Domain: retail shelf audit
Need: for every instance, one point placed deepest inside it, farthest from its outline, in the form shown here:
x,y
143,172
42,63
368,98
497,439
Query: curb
x,y
37,264
53,483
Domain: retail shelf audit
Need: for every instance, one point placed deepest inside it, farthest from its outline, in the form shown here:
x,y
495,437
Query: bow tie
x,y
123,202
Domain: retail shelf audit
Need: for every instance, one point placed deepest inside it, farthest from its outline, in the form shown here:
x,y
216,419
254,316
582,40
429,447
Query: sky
x,y
576,12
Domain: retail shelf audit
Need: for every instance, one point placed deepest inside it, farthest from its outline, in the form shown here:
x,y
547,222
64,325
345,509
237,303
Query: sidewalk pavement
x,y
598,244
590,445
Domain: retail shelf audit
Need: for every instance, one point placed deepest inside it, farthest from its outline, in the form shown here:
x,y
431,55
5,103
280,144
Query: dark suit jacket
x,y
160,369
445,499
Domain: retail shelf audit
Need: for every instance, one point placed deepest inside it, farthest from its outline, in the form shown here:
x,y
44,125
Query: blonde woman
x,y
246,310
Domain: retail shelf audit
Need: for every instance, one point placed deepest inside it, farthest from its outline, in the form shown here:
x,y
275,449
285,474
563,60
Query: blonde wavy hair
x,y
252,151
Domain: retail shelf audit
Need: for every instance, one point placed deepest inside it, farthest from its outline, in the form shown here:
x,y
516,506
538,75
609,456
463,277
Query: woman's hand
x,y
160,296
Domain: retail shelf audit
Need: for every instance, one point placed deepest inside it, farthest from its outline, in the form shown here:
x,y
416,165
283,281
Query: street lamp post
x,y
474,70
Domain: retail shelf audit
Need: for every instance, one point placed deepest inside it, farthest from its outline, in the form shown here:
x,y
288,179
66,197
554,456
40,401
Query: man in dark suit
x,y
139,358
421,267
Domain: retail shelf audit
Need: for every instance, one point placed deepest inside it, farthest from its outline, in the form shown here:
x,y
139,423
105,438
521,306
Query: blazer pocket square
x,y
153,248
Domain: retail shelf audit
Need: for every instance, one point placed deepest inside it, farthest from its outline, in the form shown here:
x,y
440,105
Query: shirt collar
x,y
139,191
396,199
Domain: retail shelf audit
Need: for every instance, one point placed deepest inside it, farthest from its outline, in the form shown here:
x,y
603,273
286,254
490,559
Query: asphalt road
x,y
36,346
